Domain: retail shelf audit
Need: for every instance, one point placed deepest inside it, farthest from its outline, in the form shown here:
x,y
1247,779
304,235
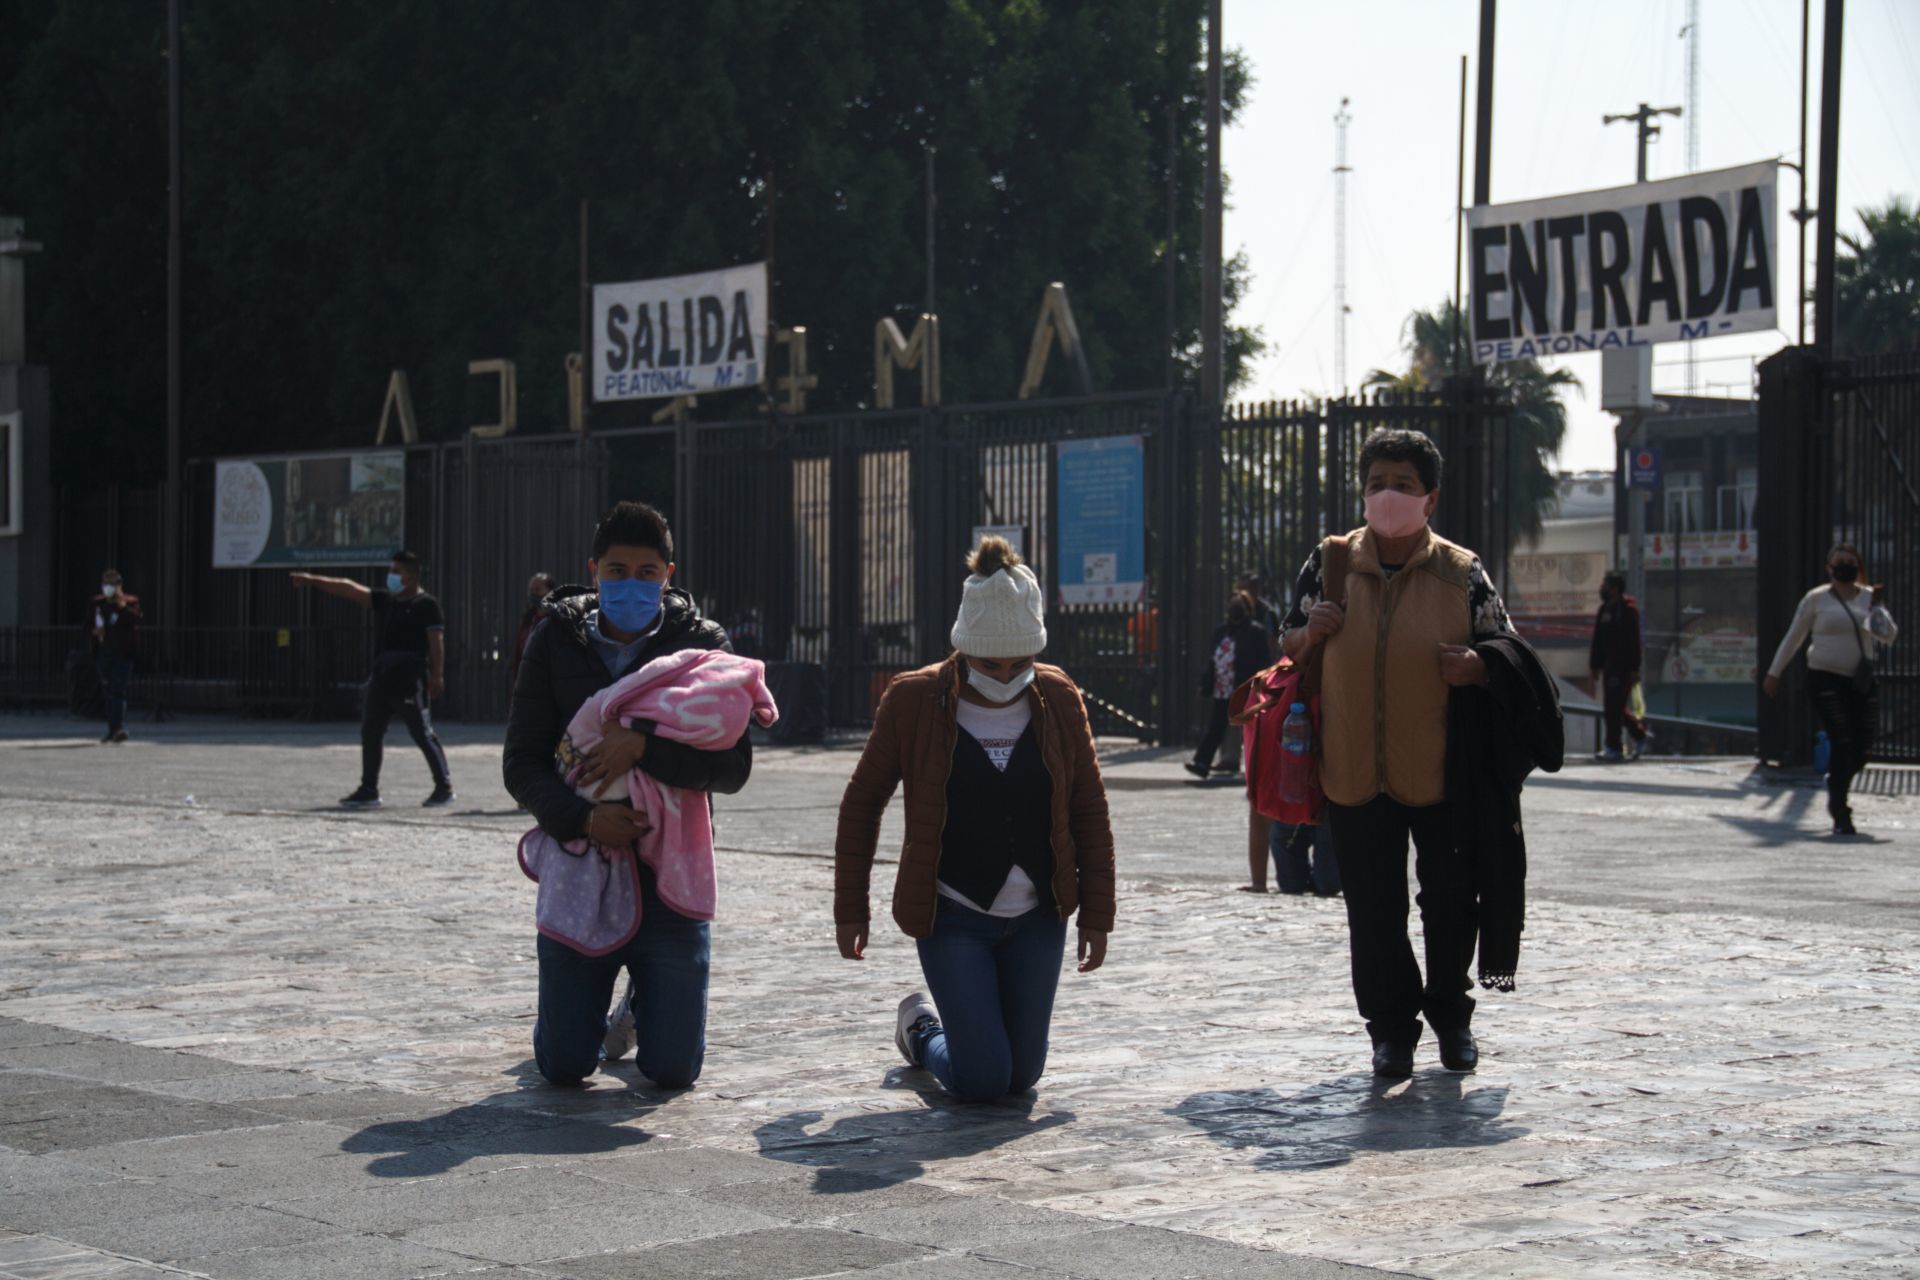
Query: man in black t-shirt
x,y
409,669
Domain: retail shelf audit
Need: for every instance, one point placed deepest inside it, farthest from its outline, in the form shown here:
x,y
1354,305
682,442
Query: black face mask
x,y
1606,597
1844,573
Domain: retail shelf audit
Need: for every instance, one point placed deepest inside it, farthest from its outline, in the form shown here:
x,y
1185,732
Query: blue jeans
x,y
114,674
993,980
1291,869
668,959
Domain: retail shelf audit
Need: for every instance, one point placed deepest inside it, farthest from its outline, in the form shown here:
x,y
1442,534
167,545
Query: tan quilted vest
x,y
1383,717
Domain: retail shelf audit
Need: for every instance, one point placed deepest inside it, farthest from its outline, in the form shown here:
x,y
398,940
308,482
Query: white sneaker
x,y
915,1010
620,1038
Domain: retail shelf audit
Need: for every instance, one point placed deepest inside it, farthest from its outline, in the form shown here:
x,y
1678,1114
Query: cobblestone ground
x,y
244,1034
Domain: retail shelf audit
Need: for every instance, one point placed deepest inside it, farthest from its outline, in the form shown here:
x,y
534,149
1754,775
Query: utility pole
x,y
1634,432
1212,335
1341,169
170,574
1459,217
1644,116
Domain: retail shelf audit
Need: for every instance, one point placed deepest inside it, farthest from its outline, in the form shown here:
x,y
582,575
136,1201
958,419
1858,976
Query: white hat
x,y
1002,615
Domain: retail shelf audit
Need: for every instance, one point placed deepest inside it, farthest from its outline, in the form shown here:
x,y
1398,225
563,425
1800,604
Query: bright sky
x,y
1558,67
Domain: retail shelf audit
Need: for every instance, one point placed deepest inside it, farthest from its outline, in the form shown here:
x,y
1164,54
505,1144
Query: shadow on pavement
x,y
427,1144
882,1149
1325,1125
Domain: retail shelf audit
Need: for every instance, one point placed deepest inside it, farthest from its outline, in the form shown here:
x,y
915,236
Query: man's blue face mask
x,y
631,604
395,583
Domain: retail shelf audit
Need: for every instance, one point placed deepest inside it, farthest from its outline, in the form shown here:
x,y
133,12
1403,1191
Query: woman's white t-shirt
x,y
998,730
1842,631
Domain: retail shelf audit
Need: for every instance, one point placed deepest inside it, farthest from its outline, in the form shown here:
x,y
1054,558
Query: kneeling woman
x,y
1007,835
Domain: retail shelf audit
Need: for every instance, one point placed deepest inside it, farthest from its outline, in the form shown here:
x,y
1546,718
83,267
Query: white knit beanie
x,y
1002,615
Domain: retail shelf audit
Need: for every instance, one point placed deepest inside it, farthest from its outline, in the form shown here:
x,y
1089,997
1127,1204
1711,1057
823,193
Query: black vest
x,y
997,821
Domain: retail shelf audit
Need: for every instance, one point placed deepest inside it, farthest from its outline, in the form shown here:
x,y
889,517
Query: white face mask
x,y
109,589
998,690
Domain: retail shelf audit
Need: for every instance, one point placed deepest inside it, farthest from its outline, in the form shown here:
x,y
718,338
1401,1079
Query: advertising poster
x,y
328,509
1101,495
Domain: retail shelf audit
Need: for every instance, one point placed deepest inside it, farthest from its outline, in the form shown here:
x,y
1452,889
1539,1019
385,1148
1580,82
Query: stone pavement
x,y
248,1035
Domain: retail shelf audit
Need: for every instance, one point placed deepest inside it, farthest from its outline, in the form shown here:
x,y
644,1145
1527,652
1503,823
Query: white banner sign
x,y
1666,261
680,336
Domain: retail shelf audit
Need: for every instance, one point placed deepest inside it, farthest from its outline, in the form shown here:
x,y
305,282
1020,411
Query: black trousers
x,y
1370,841
1217,726
1616,693
1851,719
410,703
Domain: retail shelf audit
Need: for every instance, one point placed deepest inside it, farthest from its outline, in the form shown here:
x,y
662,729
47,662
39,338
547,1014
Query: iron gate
x,y
1840,462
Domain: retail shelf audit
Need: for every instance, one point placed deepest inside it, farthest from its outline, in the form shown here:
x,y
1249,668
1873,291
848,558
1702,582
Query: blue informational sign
x,y
1101,497
1643,467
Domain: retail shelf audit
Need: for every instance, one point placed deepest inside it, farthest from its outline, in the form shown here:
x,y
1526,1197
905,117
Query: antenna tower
x,y
1340,171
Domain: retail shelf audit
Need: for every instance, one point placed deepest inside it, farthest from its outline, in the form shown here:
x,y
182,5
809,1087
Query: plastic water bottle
x,y
1296,759
1822,751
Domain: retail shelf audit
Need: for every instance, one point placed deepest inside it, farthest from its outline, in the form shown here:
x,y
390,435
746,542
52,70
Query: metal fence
x,y
828,543
1840,462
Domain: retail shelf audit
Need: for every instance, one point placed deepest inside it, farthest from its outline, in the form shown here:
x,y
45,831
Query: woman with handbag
x,y
1847,625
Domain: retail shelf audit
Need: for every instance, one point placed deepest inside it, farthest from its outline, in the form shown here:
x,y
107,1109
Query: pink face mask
x,y
1393,514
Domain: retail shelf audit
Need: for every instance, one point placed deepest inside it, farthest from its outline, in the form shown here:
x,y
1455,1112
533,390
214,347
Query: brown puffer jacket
x,y
912,741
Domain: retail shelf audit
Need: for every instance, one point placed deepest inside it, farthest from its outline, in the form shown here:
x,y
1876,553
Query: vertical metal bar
x,y
171,568
1829,211
1483,119
1212,359
1459,214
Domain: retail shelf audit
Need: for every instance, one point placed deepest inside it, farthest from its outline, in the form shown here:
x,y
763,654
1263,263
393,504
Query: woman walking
x,y
1847,625
1007,834
1241,649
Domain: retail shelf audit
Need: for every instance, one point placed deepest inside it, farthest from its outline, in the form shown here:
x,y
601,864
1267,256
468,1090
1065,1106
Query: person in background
x,y
1007,835
1265,613
1304,861
1267,618
1848,625
1395,648
539,586
1614,661
409,671
113,624
1240,650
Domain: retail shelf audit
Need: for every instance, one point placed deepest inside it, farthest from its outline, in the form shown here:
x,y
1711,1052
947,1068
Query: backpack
x,y
1262,704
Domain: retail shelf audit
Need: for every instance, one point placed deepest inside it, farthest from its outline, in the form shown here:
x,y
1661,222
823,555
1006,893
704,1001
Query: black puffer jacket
x,y
561,669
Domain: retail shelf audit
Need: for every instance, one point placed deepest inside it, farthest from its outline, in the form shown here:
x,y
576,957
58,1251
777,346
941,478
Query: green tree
x,y
1877,282
372,184
1538,418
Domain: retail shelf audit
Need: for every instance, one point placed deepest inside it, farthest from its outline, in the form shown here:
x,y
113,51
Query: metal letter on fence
x,y
921,351
1054,322
509,398
798,381
399,403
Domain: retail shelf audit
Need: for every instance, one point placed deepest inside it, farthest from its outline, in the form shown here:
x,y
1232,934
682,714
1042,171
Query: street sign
x,y
1643,467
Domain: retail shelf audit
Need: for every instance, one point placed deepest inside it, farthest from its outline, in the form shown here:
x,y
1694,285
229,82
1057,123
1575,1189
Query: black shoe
x,y
108,737
1844,826
1195,768
1458,1052
364,797
117,736
441,795
1392,1061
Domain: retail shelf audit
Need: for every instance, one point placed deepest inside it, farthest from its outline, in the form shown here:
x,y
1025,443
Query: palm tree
x,y
1538,416
1877,285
